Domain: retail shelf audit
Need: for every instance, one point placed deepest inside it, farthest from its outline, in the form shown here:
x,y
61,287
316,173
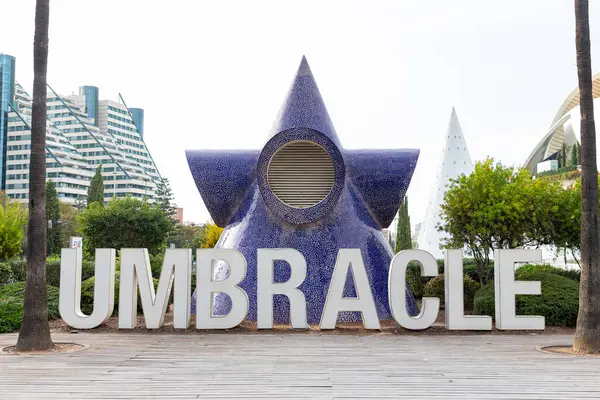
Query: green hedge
x,y
87,295
18,267
6,274
529,269
435,288
11,305
470,269
559,301
16,271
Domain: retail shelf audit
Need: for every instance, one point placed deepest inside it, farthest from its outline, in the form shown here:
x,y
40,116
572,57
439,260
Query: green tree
x,y
35,330
68,216
403,235
563,155
211,236
12,220
165,198
574,155
497,207
559,159
123,223
186,236
54,236
96,189
80,204
587,333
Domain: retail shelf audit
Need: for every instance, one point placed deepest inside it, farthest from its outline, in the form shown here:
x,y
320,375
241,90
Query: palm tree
x,y
35,331
587,334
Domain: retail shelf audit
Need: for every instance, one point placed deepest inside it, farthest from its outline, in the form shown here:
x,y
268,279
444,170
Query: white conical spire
x,y
454,162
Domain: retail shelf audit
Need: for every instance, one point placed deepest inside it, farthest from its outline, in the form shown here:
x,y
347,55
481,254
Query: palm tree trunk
x,y
35,331
587,334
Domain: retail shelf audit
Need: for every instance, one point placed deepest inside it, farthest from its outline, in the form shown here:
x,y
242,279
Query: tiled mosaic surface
x,y
369,187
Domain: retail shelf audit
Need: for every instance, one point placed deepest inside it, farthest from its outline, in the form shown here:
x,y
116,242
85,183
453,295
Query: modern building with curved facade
x,y
565,129
82,133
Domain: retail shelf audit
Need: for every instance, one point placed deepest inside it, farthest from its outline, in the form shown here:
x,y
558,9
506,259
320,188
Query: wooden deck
x,y
300,366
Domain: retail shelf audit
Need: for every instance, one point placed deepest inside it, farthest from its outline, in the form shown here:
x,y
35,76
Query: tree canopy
x,y
165,199
12,220
125,222
96,189
403,235
186,236
211,236
54,234
498,207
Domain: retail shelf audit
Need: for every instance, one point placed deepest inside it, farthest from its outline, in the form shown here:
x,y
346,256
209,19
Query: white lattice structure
x,y
455,161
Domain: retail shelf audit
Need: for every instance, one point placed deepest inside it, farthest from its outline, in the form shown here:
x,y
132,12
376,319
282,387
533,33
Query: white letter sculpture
x,y
266,288
454,293
397,289
135,270
69,303
206,286
506,288
363,302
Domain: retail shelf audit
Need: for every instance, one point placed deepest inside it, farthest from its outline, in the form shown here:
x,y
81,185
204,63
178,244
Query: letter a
x,y
363,302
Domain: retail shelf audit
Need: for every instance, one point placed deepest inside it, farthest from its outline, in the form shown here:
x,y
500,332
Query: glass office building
x,y
91,101
82,133
7,94
137,114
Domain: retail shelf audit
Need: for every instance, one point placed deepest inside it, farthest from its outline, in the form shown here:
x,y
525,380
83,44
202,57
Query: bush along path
x,y
11,305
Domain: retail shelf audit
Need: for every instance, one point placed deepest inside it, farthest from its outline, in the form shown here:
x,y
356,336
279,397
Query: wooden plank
x,y
300,366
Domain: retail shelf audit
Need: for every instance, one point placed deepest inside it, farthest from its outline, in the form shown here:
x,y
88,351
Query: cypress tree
x,y
96,189
403,236
574,158
559,159
54,233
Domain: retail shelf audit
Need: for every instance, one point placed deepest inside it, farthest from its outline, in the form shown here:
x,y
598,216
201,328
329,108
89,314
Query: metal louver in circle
x,y
301,174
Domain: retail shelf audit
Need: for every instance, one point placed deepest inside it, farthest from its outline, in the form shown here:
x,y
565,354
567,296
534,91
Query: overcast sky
x,y
212,75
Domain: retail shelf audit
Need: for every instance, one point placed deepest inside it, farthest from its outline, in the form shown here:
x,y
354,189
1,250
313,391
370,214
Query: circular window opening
x,y
301,174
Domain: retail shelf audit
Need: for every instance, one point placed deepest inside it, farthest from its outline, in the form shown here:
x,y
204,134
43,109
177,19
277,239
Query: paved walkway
x,y
295,365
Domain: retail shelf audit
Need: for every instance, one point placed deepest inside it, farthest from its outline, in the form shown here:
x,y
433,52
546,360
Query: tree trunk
x,y
35,331
587,334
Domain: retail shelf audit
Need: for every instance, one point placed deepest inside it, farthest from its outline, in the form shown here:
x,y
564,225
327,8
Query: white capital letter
x,y
363,302
397,289
206,286
135,270
266,288
69,303
506,288
455,300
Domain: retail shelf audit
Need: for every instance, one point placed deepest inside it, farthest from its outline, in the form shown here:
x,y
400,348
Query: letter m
x,y
136,272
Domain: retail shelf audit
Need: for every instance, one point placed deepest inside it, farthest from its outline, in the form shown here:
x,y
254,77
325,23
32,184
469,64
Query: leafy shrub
x,y
414,280
470,269
11,314
87,269
6,275
11,305
435,288
528,269
559,301
87,295
18,267
156,262
53,271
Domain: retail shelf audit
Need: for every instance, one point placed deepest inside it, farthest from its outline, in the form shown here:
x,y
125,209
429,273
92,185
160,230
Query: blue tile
x,y
368,188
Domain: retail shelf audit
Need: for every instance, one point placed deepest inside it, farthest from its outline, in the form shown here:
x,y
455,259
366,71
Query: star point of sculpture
x,y
303,190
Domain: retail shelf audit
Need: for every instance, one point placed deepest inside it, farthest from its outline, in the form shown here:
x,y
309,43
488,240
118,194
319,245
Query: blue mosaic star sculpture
x,y
367,189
